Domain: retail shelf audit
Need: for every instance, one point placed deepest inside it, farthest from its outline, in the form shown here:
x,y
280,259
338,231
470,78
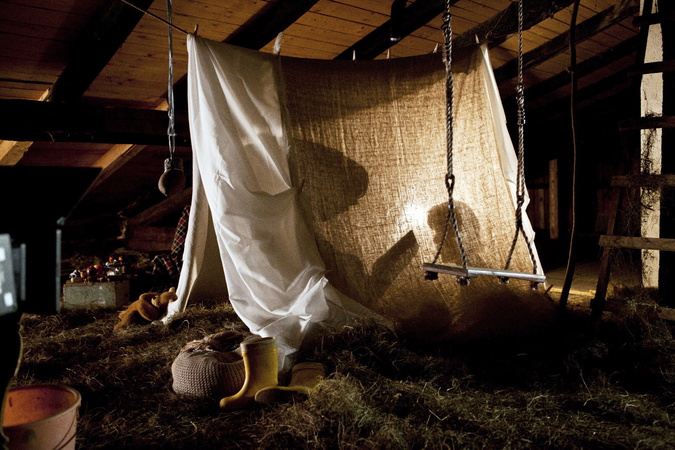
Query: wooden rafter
x,y
379,40
255,35
499,27
584,68
600,96
560,43
97,48
12,151
266,27
25,120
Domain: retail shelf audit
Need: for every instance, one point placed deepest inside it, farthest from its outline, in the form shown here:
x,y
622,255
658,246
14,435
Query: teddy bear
x,y
148,308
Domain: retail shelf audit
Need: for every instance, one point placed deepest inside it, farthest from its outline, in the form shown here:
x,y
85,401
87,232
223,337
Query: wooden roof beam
x,y
499,27
96,49
266,27
560,43
255,35
11,152
584,68
596,96
379,40
26,120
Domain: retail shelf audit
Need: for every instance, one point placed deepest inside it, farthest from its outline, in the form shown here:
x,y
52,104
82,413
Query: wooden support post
x,y
598,302
651,104
553,223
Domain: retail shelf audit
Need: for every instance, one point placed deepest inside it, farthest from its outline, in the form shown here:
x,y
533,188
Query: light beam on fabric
x,y
322,181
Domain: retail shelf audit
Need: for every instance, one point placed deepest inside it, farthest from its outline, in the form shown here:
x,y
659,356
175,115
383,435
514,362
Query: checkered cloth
x,y
169,264
181,232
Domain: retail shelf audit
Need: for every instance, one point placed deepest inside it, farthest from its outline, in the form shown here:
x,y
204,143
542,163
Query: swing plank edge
x,y
473,272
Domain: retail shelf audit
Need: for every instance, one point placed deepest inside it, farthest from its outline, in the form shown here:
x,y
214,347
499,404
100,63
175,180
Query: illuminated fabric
x,y
324,179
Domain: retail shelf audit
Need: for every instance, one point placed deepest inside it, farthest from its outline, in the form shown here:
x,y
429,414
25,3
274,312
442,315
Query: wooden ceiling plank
x,y
76,7
349,28
349,13
43,17
599,22
379,40
37,30
379,6
187,14
32,48
96,51
152,27
502,25
266,27
262,30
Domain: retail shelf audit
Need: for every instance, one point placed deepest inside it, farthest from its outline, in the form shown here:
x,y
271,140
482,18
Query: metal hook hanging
x,y
173,179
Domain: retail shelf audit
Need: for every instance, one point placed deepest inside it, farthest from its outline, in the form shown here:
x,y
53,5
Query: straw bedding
x,y
565,388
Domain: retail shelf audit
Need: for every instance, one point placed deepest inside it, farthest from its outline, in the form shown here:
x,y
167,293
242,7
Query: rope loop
x,y
450,183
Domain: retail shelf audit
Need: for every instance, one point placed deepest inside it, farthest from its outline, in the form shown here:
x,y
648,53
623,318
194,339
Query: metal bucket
x,y
41,417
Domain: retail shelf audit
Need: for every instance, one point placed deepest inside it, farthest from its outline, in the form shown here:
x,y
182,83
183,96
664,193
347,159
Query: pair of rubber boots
x,y
262,377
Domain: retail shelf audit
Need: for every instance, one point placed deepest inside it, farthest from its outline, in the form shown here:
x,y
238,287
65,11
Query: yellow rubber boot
x,y
304,378
261,366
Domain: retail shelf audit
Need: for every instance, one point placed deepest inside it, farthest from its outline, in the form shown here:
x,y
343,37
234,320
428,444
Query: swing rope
x,y
451,217
171,131
464,273
520,178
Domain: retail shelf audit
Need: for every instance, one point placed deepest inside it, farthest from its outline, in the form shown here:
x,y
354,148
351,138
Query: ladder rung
x,y
644,123
473,272
650,19
635,242
652,67
650,180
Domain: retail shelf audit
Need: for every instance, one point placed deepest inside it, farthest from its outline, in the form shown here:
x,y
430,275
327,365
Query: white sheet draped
x,y
241,186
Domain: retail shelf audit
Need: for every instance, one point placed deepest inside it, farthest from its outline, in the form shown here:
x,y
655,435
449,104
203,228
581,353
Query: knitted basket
x,y
200,371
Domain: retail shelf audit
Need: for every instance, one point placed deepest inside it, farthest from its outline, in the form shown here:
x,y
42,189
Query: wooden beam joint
x,y
25,120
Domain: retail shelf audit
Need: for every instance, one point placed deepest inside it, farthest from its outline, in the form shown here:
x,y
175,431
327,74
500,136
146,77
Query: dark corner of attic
x,y
321,262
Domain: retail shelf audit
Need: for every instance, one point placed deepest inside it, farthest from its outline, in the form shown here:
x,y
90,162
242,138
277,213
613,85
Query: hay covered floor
x,y
569,388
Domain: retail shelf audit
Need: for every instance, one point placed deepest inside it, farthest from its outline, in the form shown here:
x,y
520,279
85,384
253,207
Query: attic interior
x,y
93,74
84,87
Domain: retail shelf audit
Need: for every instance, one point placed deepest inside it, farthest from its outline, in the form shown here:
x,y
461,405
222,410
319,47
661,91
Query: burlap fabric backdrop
x,y
367,143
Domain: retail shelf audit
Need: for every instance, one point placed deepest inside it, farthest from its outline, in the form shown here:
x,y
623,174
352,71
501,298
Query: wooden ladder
x,y
611,242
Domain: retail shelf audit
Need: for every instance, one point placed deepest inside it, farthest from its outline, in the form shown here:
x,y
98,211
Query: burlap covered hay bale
x,y
367,145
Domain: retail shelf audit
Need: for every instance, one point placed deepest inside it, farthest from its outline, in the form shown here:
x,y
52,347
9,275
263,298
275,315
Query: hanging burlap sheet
x,y
315,175
368,147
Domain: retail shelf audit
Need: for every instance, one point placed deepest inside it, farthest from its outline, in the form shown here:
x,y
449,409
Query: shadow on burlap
x,y
368,154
